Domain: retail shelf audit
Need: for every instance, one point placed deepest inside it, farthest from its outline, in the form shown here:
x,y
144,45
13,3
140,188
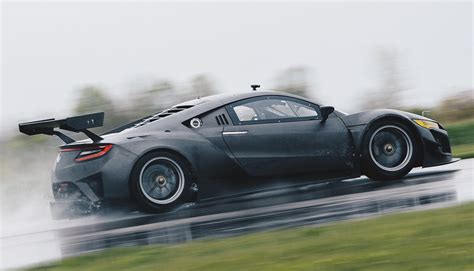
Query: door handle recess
x,y
235,133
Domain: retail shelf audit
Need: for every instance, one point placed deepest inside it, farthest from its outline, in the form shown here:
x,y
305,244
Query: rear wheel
x,y
389,151
160,181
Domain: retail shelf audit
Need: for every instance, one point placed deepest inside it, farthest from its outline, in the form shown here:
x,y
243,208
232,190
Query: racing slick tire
x,y
389,151
160,181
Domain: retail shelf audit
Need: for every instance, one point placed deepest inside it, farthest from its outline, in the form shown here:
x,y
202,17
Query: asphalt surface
x,y
292,206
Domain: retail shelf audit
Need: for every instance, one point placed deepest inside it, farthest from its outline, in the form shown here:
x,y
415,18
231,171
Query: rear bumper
x,y
85,188
75,199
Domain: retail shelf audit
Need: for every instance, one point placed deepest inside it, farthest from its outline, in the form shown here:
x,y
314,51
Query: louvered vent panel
x,y
222,120
161,114
225,119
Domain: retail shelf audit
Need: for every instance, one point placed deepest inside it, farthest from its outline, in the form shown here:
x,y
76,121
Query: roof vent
x,y
162,114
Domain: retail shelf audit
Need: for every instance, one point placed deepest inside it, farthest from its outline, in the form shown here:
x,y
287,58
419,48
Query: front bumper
x,y
436,147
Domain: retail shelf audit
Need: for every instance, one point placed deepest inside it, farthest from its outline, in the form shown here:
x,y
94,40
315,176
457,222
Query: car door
x,y
279,135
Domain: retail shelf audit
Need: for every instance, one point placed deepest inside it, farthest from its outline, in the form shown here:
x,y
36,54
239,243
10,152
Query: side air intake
x,y
222,120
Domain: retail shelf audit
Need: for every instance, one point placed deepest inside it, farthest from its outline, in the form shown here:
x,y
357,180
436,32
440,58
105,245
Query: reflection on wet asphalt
x,y
309,204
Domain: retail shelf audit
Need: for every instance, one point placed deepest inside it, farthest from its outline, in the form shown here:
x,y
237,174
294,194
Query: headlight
x,y
427,124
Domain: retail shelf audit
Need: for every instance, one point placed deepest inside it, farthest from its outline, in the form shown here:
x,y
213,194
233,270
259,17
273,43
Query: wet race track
x,y
311,204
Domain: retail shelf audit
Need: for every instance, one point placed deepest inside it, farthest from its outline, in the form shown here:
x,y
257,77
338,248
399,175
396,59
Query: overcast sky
x,y
49,50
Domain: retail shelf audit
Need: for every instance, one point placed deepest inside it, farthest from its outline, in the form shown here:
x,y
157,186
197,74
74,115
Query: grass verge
x,y
461,133
463,151
440,239
461,136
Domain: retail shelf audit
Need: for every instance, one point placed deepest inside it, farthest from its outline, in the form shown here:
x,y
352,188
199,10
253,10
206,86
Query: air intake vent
x,y
162,114
222,120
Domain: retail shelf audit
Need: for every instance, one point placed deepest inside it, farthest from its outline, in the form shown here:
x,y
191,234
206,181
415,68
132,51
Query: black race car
x,y
231,143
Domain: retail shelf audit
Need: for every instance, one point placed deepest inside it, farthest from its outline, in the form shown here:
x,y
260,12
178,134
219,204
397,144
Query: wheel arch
x,y
162,150
407,123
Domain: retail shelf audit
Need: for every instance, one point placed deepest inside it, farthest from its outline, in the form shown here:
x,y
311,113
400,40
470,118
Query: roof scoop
x,y
78,124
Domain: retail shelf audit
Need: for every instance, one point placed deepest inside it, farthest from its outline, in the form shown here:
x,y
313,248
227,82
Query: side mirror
x,y
326,111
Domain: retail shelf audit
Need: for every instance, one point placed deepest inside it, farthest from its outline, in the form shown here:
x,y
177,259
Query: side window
x,y
273,108
302,110
245,113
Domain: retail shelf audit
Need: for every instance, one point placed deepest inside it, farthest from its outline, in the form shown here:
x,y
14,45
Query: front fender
x,y
359,123
434,143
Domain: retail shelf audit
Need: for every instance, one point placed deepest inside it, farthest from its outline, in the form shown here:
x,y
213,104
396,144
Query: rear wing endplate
x,y
79,124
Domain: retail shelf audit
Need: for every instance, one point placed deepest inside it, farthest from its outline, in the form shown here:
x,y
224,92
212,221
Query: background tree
x,y
152,99
388,93
294,80
201,86
457,106
92,99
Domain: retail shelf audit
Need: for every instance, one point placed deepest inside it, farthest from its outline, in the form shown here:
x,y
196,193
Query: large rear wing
x,y
79,124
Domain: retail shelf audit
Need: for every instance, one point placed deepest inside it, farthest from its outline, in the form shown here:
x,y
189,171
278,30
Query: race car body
x,y
231,143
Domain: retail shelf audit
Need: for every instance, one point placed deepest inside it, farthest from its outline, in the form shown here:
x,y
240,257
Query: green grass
x,y
440,239
463,151
461,136
461,133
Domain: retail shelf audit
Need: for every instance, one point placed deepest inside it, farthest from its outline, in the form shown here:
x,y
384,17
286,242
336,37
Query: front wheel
x,y
389,151
160,181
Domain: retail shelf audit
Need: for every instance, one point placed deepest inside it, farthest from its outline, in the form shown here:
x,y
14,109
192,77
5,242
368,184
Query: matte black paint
x,y
268,154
